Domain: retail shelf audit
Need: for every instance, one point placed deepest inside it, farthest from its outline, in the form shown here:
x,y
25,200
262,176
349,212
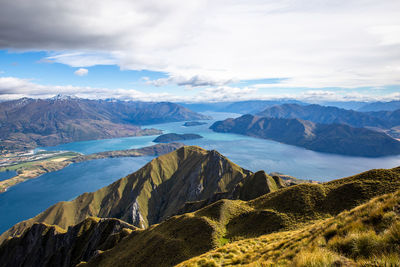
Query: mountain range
x,y
386,121
324,114
331,138
193,203
256,106
27,123
241,107
381,106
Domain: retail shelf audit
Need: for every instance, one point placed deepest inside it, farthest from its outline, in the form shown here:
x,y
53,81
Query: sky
x,y
199,50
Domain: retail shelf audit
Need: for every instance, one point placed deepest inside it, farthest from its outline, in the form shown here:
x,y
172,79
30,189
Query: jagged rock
x,y
49,245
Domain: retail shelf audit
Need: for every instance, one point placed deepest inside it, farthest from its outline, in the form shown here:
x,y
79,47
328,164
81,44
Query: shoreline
x,y
36,168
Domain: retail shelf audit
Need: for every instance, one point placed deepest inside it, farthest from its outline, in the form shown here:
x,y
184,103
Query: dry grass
x,y
368,235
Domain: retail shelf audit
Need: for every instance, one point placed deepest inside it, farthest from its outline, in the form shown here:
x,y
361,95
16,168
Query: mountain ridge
x,y
328,114
27,123
154,192
330,138
243,212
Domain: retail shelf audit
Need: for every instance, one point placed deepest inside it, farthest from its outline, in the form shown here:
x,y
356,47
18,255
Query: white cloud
x,y
13,88
313,43
194,81
81,72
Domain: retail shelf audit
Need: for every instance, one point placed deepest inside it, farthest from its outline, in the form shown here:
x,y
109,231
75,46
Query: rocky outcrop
x,y
48,245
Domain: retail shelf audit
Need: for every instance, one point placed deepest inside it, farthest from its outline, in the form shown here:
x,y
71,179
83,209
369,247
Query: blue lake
x,y
27,199
251,153
7,175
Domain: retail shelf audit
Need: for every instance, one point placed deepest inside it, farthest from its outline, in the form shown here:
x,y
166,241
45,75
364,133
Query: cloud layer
x,y
12,88
311,43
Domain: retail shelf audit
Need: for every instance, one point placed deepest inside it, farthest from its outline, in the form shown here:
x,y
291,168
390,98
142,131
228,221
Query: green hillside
x,y
227,216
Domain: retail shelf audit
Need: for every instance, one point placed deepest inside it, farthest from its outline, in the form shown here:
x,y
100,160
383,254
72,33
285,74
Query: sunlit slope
x,y
150,195
225,221
368,235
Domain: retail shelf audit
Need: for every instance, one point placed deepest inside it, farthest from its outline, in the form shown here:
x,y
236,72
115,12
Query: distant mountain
x,y
202,107
241,107
281,220
255,106
171,137
381,106
354,105
26,123
330,138
323,114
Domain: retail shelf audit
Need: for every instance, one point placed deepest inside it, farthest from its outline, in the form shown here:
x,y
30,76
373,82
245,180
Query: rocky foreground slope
x,y
218,203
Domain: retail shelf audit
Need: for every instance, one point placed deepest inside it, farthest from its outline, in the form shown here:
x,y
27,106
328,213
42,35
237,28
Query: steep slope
x,y
184,236
48,245
31,122
327,115
331,138
152,194
367,235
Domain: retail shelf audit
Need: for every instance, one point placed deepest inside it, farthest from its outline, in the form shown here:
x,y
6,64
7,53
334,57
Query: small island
x,y
194,123
171,137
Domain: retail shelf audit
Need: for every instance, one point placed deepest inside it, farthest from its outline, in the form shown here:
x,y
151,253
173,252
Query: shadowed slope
x,y
48,245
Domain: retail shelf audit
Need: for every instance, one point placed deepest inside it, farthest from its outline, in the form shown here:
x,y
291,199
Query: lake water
x,y
27,199
250,153
7,175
